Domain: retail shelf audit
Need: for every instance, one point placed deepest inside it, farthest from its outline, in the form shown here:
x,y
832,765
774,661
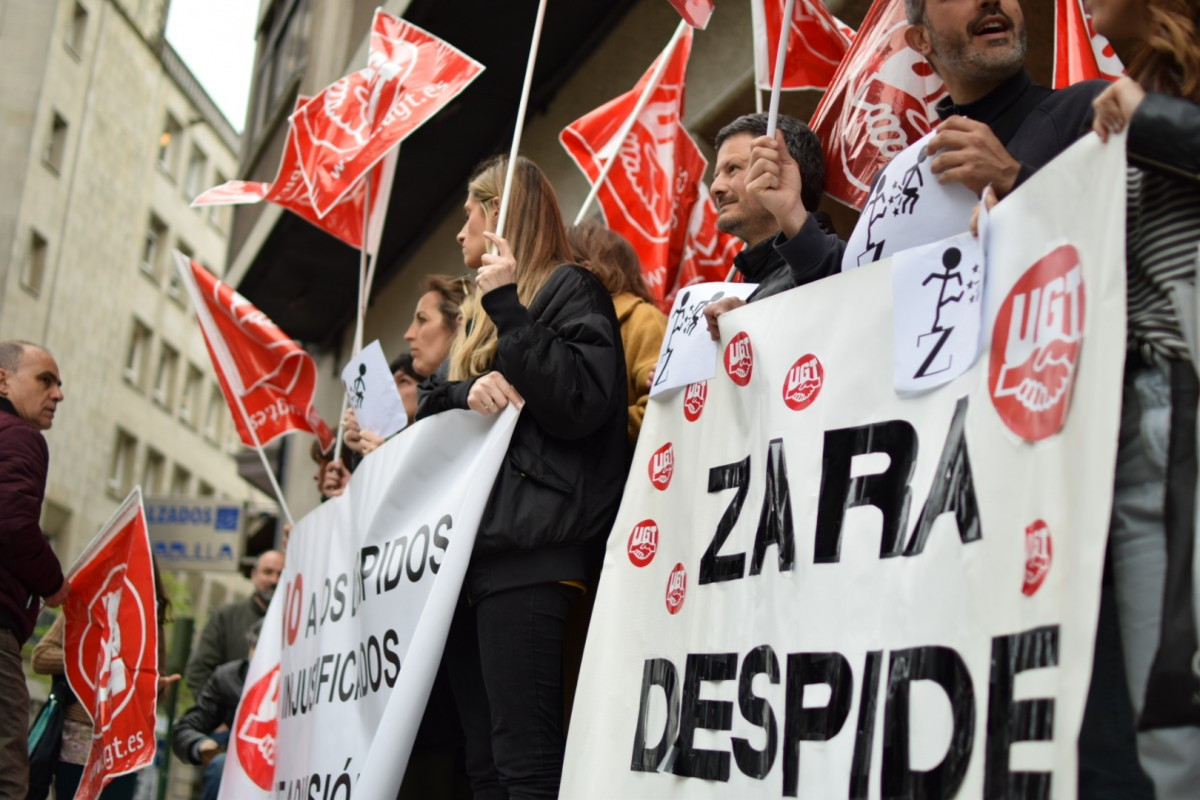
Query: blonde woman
x,y
540,334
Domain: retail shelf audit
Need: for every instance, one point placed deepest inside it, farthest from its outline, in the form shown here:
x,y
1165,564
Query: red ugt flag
x,y
346,129
696,13
344,220
650,190
257,364
880,101
1080,54
817,41
111,646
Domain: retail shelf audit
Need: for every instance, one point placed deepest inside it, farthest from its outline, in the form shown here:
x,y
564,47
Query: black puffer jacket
x,y
558,490
215,706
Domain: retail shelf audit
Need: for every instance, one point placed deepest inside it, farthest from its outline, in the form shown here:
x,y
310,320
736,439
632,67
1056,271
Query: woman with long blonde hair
x,y
540,334
1152,542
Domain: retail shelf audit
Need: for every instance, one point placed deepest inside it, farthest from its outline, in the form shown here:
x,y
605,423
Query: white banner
x,y
817,588
365,600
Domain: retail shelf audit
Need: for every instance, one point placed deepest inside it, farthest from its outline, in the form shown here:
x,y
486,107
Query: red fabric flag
x,y
1080,54
110,646
345,220
255,361
346,129
817,43
696,13
707,252
649,192
879,102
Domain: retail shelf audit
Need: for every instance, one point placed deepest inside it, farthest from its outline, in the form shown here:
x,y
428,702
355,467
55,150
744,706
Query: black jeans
x,y
504,656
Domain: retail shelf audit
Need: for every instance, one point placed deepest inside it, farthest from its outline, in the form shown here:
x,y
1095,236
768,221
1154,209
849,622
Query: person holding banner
x,y
30,391
1152,540
612,259
542,336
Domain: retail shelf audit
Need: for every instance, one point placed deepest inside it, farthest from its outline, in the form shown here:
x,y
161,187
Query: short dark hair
x,y
404,363
802,144
915,9
253,632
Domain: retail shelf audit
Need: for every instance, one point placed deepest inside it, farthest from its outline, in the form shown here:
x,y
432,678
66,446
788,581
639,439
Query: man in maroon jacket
x,y
30,391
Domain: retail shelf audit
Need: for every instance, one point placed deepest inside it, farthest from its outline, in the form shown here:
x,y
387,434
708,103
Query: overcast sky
x,y
216,40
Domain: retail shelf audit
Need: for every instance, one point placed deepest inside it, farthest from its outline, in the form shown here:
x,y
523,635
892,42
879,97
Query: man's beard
x,y
266,594
958,57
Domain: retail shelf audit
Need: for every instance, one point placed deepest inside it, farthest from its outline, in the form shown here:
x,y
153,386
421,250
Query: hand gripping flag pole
x,y
785,27
623,133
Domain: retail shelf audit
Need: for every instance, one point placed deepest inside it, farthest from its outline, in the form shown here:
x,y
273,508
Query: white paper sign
x,y
355,632
372,391
816,588
908,207
937,301
688,352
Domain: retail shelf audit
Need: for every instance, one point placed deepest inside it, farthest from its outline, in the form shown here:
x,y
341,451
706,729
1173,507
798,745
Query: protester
x,y
192,738
224,636
612,259
30,391
77,734
542,336
1152,540
742,213
361,441
435,322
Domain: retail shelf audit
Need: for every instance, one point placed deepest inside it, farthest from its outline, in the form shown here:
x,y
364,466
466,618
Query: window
x,y
56,144
181,481
154,472
174,288
120,474
169,144
139,351
164,379
215,413
156,234
35,263
197,169
77,29
205,489
282,52
189,402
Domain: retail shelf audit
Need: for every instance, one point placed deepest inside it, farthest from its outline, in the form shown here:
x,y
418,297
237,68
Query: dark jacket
x,y
215,706
29,569
1164,135
558,490
1034,123
222,640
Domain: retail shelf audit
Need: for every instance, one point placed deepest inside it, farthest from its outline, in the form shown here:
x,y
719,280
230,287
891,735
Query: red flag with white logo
x,y
649,192
879,102
707,252
351,125
259,367
344,220
1081,54
817,42
110,646
696,13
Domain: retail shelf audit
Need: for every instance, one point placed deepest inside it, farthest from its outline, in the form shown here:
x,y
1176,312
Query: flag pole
x,y
365,273
627,126
520,127
780,60
283,506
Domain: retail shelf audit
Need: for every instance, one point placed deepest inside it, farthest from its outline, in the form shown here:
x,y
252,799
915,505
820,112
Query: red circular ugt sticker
x,y
1035,346
693,400
676,589
643,542
1038,554
739,359
662,467
803,383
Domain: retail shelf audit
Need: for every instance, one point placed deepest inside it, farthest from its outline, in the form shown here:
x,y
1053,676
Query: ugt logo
x,y
1035,345
1038,554
693,400
643,543
739,359
676,589
115,639
803,383
662,467
255,729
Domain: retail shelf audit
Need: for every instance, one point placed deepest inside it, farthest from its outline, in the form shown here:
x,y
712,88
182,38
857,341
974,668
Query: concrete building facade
x,y
106,137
